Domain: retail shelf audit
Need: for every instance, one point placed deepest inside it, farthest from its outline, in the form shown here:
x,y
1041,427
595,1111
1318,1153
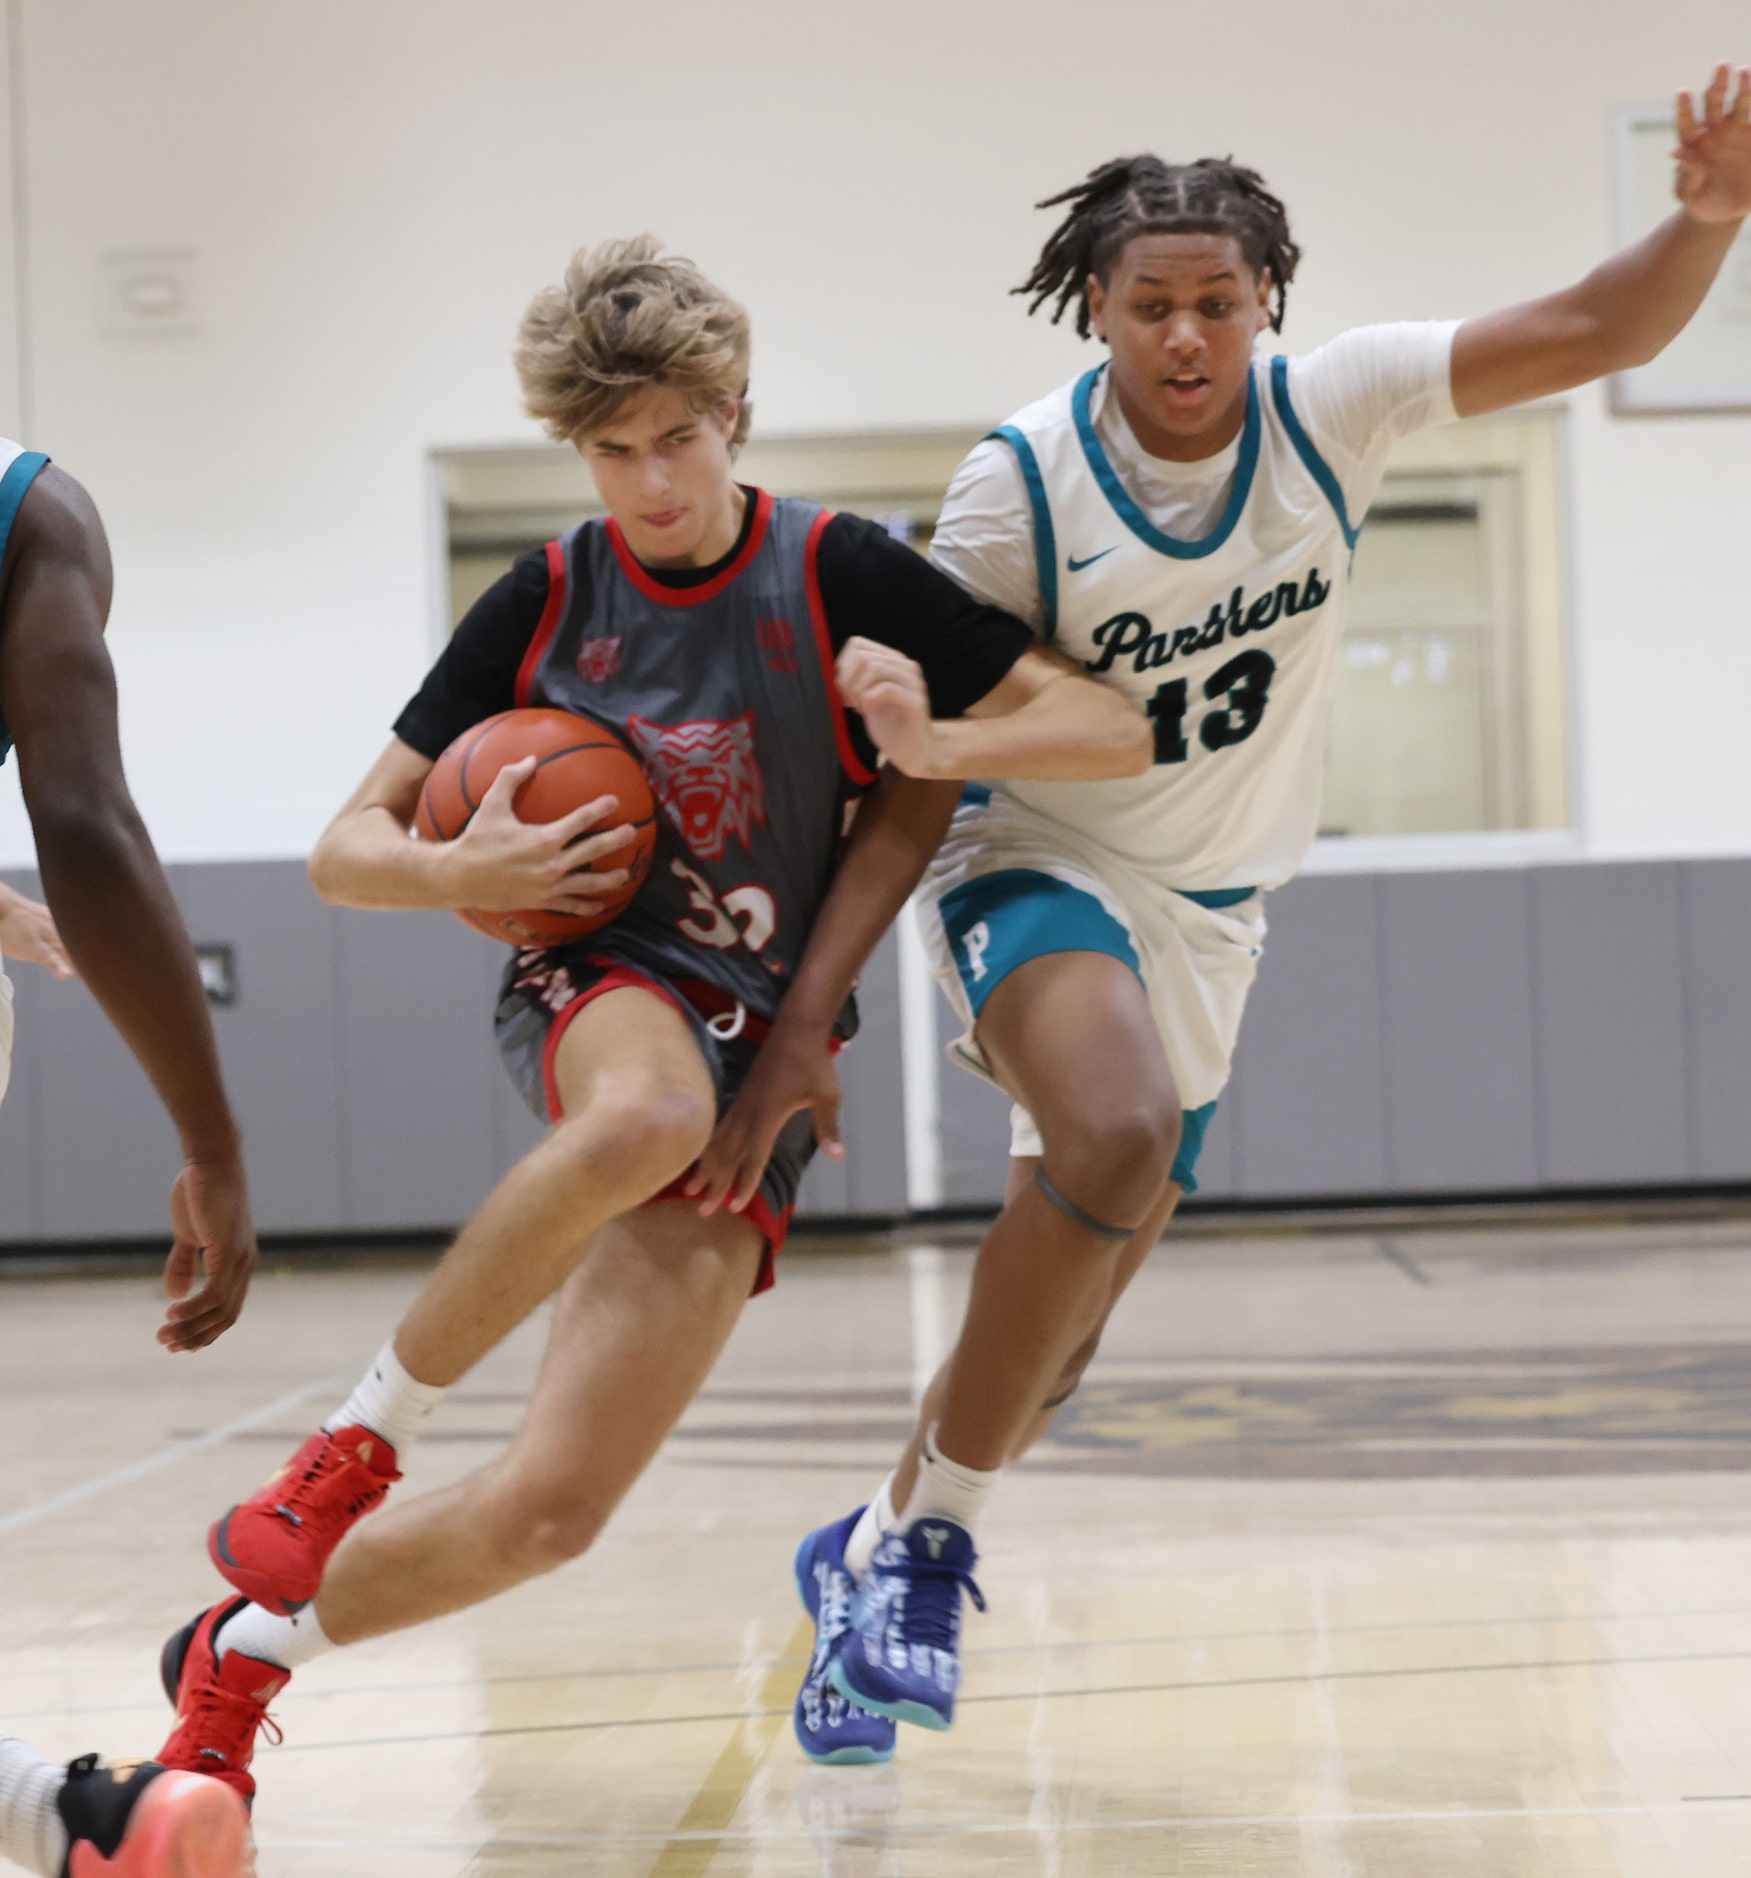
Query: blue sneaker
x,y
828,1727
902,1654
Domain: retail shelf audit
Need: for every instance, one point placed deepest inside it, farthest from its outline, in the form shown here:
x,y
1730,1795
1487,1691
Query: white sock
x,y
31,1833
388,1402
288,1642
945,1489
879,1519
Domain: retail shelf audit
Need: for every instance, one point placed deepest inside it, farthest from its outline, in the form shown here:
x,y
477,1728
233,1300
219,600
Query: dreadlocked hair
x,y
1142,195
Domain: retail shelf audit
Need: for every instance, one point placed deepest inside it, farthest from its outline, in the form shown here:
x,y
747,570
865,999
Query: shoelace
x,y
236,1718
935,1620
329,1486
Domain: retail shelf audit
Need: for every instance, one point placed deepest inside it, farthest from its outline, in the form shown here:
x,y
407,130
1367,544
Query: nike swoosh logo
x,y
1077,566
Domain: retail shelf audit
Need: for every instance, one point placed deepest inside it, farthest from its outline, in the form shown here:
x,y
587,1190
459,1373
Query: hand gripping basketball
x,y
524,798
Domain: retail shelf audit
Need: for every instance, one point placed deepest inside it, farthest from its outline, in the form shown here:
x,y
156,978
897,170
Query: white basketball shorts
x,y
1007,886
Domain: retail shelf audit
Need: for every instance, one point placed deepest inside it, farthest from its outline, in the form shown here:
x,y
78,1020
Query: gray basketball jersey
x,y
725,692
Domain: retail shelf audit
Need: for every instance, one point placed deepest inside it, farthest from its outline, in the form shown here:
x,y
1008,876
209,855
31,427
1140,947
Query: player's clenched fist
x,y
888,690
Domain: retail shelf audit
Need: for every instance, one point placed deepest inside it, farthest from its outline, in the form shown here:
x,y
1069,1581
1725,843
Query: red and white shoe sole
x,y
185,1826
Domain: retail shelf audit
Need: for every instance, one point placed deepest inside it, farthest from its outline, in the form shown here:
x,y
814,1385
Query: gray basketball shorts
x,y
543,990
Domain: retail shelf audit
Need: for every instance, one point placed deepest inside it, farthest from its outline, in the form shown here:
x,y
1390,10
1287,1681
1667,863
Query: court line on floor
x,y
863,1832
1402,1673
179,1450
1059,1646
694,1842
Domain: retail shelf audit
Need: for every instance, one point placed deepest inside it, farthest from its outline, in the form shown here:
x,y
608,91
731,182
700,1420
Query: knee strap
x,y
1077,1214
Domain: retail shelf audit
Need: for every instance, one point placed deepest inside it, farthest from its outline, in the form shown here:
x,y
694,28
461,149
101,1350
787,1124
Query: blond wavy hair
x,y
627,317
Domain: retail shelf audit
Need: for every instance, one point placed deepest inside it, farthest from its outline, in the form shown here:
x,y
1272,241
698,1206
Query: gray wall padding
x,y
1549,1028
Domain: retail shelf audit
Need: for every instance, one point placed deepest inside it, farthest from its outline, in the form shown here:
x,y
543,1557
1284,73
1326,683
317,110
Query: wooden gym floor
x,y
1364,1551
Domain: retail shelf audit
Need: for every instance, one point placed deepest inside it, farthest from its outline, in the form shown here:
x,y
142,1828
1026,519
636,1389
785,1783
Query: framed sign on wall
x,y
1708,366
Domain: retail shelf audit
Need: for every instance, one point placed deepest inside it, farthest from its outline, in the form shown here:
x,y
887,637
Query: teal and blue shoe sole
x,y
852,1757
919,1714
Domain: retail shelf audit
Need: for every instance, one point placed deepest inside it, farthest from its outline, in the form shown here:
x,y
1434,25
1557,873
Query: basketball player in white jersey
x,y
1180,520
114,919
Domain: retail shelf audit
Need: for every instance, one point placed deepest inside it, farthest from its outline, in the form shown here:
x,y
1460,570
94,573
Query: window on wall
x,y
1449,712
498,504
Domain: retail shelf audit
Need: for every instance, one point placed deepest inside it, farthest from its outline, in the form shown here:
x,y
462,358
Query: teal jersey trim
x,y
1317,466
1082,403
1217,897
975,796
1194,1125
1045,542
20,474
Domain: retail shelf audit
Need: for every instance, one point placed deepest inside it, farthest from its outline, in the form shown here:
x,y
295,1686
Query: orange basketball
x,y
579,760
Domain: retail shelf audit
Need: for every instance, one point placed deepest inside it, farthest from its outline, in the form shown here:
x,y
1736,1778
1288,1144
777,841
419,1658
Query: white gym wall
x,y
369,192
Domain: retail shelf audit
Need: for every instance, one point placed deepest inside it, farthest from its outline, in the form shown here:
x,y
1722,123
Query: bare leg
x,y
1071,1035
635,1333
639,1107
1130,1261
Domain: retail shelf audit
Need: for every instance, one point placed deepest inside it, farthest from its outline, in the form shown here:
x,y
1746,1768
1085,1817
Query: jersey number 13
x,y
1244,685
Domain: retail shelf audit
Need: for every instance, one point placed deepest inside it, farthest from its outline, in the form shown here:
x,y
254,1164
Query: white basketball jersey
x,y
1229,640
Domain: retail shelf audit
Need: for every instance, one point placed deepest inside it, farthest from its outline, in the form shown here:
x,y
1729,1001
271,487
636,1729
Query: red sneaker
x,y
275,1547
145,1822
219,1704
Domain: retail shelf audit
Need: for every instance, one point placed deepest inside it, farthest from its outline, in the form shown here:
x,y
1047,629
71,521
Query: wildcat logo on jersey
x,y
1133,635
706,777
598,660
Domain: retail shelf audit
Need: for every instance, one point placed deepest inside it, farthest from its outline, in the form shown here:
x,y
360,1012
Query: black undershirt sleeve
x,y
874,587
476,673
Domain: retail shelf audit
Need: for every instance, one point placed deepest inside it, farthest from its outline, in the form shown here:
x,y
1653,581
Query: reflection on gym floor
x,y
1360,1552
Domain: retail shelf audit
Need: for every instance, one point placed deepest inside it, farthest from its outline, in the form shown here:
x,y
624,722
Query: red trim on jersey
x,y
824,644
653,589
547,625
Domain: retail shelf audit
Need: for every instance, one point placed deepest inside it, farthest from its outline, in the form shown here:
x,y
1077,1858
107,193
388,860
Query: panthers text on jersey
x,y
1228,637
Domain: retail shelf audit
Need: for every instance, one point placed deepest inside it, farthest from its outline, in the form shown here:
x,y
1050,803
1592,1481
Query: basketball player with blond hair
x,y
113,918
1180,521
754,651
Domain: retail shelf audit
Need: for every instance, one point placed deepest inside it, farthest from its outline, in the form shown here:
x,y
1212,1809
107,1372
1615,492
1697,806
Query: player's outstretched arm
x,y
1630,309
899,827
110,900
498,864
1043,722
